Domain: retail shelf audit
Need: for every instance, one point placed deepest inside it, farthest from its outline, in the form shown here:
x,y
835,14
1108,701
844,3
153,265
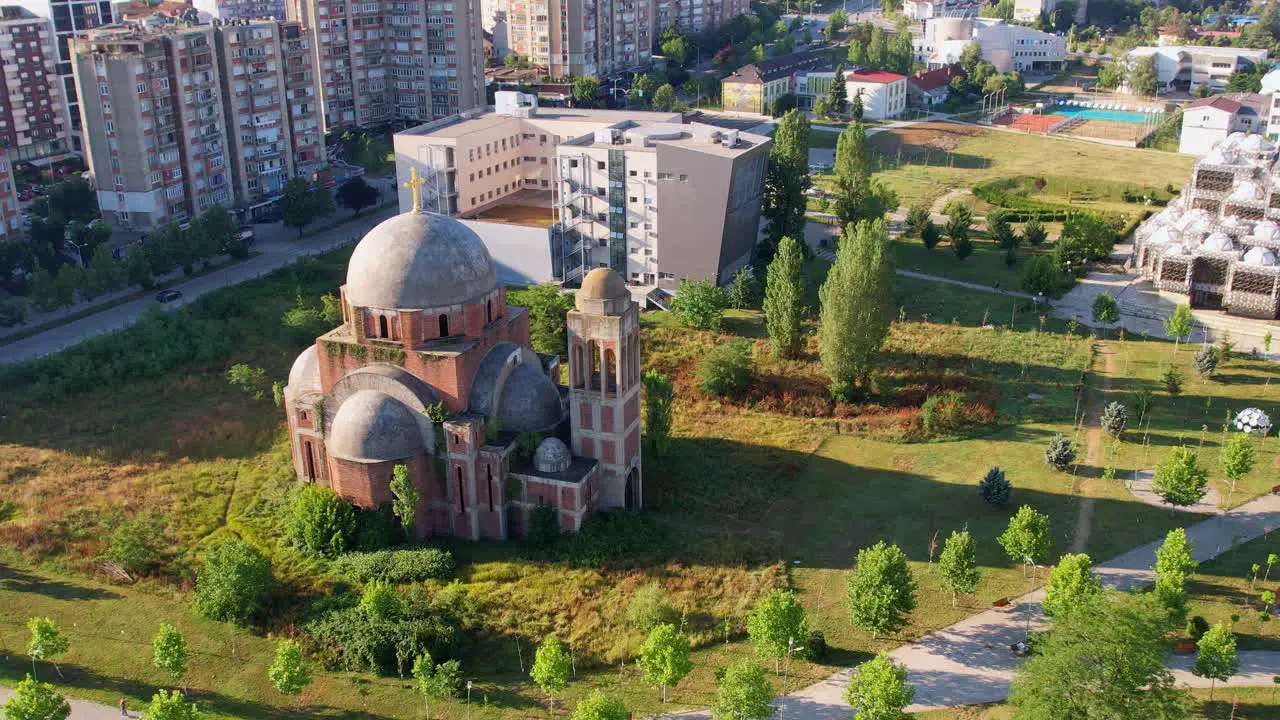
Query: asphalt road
x,y
274,252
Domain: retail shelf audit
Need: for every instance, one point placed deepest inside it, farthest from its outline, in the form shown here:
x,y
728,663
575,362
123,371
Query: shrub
x,y
649,608
961,246
726,369
1205,361
376,528
380,601
614,539
994,487
354,640
1105,309
917,217
1142,402
941,414
136,545
1033,232
816,648
1197,627
544,527
322,523
396,566
701,304
233,583
930,235
253,380
1060,453
1172,381
1114,419
1039,275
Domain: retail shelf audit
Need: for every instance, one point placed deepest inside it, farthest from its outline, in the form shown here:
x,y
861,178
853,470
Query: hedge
x,y
396,566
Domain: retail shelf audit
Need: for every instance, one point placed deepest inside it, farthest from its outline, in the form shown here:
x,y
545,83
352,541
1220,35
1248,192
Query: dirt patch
x,y
919,140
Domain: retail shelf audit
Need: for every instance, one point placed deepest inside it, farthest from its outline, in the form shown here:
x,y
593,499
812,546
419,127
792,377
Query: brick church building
x,y
425,321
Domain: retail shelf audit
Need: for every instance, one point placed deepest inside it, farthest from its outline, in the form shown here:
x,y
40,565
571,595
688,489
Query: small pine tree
x,y
1205,361
930,235
1105,309
1033,232
1061,452
1114,419
917,218
1172,380
995,487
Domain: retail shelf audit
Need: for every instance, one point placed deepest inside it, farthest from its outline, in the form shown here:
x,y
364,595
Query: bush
x,y
994,487
377,528
930,235
322,523
234,582
1060,453
1196,627
1205,361
941,414
136,545
1039,275
396,566
351,639
917,218
608,539
12,312
1114,419
649,608
1172,381
1105,309
544,527
1142,402
726,369
701,303
816,649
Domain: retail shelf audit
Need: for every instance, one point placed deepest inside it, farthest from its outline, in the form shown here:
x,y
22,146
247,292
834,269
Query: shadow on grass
x,y
18,581
139,694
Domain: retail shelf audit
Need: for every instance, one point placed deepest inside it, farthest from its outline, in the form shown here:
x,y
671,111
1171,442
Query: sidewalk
x,y
274,253
85,710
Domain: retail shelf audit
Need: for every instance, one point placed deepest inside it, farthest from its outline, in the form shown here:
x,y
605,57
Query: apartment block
x,y
394,61
227,10
583,37
695,16
271,105
10,223
155,129
71,19
642,193
33,111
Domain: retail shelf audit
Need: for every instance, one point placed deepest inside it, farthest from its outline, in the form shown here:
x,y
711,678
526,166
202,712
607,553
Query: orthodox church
x,y
426,322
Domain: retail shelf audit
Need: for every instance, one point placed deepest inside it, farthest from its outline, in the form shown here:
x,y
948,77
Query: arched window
x,y
579,372
382,327
462,497
488,311
488,471
610,371
444,325
594,351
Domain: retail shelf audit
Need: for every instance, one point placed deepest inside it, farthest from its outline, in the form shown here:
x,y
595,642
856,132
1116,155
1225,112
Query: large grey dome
x,y
529,402
305,373
552,456
419,260
372,426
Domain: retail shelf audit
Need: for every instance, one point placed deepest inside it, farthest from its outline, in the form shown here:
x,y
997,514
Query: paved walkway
x,y
83,709
273,254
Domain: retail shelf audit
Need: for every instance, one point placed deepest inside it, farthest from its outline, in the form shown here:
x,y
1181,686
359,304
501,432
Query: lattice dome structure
x,y
1253,421
1217,243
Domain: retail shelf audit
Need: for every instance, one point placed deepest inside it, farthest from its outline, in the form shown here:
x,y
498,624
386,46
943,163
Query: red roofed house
x,y
884,94
925,89
1208,120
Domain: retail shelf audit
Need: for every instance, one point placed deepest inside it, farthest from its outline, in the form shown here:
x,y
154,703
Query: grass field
x,y
778,488
1221,589
1250,704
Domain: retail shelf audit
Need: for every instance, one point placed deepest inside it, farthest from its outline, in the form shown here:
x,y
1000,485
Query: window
x,y
444,325
382,326
599,165
488,311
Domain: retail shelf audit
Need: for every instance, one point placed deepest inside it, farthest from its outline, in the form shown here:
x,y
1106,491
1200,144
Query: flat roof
x,y
695,136
457,126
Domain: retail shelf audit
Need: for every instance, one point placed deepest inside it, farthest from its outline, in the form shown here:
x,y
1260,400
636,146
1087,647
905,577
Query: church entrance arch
x,y
631,492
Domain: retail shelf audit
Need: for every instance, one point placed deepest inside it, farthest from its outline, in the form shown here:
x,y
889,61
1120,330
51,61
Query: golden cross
x,y
415,184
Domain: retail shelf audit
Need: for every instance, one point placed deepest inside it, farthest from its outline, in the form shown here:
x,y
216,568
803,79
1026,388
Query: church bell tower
x,y
604,382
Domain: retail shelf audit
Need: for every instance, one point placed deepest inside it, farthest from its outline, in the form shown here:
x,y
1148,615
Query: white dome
x,y
1218,242
1266,230
419,260
1247,190
1195,219
1260,256
1162,236
305,373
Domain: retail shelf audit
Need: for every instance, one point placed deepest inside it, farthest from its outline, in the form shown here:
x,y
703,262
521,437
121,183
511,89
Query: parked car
x,y
166,296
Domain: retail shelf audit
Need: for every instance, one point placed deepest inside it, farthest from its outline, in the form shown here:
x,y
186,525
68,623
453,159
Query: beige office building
x,y
394,61
640,192
582,37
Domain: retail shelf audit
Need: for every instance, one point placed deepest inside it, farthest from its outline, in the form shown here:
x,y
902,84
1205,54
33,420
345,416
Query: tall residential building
x,y
10,226
242,9
71,20
182,118
155,132
394,61
271,106
695,16
582,37
33,111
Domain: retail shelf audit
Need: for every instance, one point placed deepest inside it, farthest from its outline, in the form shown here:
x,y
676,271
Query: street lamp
x,y
786,673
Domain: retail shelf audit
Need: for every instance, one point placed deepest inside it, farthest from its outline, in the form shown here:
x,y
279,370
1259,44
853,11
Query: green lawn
x,y
777,488
1251,704
1221,589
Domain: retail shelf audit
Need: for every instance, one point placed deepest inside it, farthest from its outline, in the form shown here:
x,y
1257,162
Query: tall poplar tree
x,y
786,181
784,298
856,301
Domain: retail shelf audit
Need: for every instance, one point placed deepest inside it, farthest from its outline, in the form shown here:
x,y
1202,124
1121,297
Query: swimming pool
x,y
1092,114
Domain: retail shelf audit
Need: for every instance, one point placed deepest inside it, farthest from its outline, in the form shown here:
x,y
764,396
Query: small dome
x,y
1162,236
305,373
1253,421
1260,256
419,260
1196,219
372,426
1266,230
603,284
1247,190
552,456
530,401
1218,242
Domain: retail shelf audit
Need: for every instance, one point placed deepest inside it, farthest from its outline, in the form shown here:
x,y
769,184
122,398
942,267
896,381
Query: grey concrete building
x,y
71,20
